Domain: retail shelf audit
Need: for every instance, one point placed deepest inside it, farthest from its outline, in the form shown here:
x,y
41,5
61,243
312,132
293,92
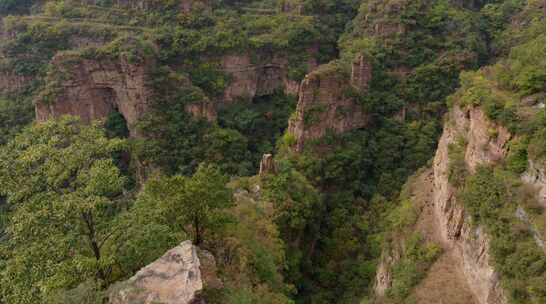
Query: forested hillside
x,y
272,151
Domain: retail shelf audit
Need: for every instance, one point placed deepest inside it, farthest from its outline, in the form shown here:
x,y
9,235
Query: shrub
x,y
516,161
457,171
416,259
491,197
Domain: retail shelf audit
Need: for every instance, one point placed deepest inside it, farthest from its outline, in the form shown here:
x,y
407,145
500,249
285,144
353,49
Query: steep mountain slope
x,y
481,184
174,104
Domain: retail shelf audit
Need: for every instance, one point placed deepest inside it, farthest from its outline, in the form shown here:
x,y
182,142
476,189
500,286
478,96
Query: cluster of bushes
x,y
492,197
511,93
261,121
457,170
177,142
412,267
15,113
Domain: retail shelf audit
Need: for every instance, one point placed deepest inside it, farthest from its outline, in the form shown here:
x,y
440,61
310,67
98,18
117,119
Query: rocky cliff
x,y
328,102
177,277
535,177
442,218
91,89
251,77
470,243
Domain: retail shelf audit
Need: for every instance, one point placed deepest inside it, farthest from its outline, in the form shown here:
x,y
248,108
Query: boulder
x,y
178,277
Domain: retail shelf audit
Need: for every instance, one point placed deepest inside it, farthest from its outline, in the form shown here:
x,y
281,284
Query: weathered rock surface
x,y
267,165
176,278
534,176
204,110
486,141
324,105
444,282
250,79
470,244
383,276
91,89
361,73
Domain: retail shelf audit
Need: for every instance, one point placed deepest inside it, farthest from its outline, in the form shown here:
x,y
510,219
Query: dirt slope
x,y
444,283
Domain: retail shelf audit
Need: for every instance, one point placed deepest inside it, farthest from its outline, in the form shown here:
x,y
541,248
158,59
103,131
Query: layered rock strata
x,y
326,104
91,89
470,243
251,78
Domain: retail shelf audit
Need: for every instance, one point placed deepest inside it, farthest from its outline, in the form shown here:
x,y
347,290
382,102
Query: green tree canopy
x,y
191,205
61,185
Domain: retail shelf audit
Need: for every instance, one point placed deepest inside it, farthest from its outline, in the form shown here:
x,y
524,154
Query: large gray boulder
x,y
175,278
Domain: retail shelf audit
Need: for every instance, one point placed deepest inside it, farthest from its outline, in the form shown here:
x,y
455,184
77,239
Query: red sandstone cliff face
x,y
91,89
327,103
261,77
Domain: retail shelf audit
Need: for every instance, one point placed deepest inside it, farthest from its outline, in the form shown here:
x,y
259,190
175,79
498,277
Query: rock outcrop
x,y
204,110
485,143
325,105
470,243
361,73
91,89
534,176
267,165
383,276
249,79
177,277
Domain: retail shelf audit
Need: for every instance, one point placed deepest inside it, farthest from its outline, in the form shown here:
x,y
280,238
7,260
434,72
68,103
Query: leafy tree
x,y
228,149
61,182
14,115
194,205
202,200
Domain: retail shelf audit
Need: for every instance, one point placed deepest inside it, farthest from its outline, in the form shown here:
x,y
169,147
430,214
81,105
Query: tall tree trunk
x,y
91,235
197,240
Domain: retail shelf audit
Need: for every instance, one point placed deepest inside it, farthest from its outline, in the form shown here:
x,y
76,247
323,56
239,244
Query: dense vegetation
x,y
83,207
511,93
